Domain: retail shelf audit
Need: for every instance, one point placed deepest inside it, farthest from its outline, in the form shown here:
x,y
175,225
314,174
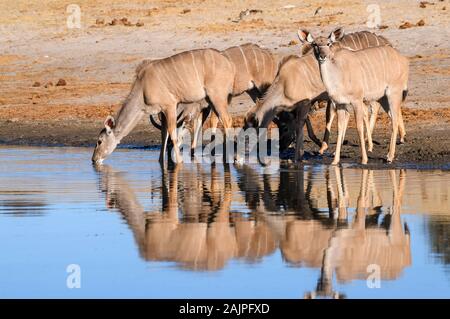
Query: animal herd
x,y
360,71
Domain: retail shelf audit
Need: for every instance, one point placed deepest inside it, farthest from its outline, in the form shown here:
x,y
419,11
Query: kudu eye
x,y
99,142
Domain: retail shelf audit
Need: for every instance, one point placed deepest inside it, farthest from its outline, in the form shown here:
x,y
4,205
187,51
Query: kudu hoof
x,y
323,148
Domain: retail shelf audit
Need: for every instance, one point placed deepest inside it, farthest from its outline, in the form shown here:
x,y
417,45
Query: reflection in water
x,y
18,203
440,239
199,227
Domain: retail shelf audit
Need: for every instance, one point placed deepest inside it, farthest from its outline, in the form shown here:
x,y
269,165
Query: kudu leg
x,y
375,106
214,121
220,107
171,118
329,115
341,117
358,107
394,100
197,128
302,114
401,127
368,130
164,139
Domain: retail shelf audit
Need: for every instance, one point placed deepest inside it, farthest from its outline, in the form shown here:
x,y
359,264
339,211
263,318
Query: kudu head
x,y
107,141
323,47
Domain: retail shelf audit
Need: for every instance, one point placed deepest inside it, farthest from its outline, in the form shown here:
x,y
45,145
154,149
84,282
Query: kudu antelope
x,y
353,41
298,85
160,85
353,77
256,69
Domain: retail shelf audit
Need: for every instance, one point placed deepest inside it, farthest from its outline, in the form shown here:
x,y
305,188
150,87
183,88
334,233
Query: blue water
x,y
201,231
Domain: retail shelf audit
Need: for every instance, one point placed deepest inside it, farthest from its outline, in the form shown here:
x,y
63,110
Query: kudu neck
x,y
130,113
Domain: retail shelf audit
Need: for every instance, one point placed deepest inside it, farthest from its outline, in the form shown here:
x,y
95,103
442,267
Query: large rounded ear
x,y
110,123
305,36
337,34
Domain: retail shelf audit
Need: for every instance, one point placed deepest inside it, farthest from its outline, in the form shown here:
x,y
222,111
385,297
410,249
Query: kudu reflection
x,y
210,216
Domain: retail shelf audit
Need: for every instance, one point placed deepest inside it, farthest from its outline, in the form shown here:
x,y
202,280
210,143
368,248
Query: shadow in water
x,y
208,217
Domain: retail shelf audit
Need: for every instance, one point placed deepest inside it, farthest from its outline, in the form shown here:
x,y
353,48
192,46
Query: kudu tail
x,y
404,94
180,119
155,124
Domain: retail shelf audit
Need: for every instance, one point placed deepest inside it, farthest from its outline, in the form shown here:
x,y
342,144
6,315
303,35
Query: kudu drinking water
x,y
160,85
256,69
354,77
298,85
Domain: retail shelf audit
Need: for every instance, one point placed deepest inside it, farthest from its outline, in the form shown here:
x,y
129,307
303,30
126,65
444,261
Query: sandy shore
x,y
97,62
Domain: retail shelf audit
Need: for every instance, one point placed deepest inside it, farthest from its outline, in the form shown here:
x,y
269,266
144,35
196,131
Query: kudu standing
x,y
353,41
161,85
353,77
298,85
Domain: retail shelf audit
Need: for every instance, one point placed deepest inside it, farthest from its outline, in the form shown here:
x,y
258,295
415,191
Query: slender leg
x,y
197,128
302,115
375,106
358,107
329,114
164,139
214,120
401,127
171,117
341,117
368,130
347,118
220,107
394,100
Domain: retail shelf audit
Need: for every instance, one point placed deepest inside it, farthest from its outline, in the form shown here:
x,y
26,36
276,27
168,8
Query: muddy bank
x,y
427,143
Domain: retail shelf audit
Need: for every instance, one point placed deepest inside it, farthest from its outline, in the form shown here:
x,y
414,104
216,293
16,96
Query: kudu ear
x,y
110,123
305,36
336,34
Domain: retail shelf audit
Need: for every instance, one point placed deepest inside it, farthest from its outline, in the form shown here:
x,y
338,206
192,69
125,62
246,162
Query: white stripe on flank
x,y
376,37
383,65
196,70
386,59
351,37
177,73
264,69
245,60
398,65
367,39
256,60
363,71
359,41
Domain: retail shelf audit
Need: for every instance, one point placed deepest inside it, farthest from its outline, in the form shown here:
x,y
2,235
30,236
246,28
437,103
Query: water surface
x,y
205,231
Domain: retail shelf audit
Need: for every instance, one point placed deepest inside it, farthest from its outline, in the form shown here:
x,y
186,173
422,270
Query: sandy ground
x,y
97,62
